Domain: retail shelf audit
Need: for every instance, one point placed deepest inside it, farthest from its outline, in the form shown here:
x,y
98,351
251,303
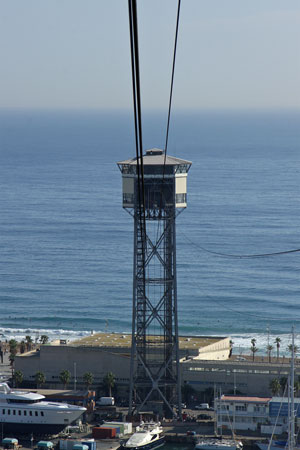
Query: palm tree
x,y
88,379
13,350
22,347
40,379
29,342
253,347
187,391
290,349
44,339
275,386
283,382
297,387
270,348
253,350
18,378
277,342
109,382
65,377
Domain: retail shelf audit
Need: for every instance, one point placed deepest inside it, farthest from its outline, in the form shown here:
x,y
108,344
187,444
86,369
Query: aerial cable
x,y
248,314
172,79
133,27
170,103
245,256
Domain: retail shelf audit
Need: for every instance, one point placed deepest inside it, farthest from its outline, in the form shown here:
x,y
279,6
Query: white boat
x,y
28,412
218,444
147,436
276,445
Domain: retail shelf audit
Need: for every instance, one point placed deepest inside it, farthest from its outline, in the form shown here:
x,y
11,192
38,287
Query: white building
x,y
254,413
242,413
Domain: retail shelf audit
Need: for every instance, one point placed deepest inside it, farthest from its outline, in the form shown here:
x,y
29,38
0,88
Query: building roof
x,y
236,398
156,157
284,400
124,340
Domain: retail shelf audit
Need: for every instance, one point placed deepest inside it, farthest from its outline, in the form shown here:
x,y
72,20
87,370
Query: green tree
x,y
44,339
40,379
277,342
18,377
65,377
275,386
22,347
290,349
13,350
88,379
253,348
29,342
269,349
297,387
283,382
109,382
187,391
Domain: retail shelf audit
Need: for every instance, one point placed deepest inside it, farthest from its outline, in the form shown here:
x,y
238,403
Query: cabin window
x,y
42,413
3,411
14,412
25,413
20,412
8,411
30,413
36,413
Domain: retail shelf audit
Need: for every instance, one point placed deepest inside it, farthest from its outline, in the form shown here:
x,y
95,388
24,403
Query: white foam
x,y
20,333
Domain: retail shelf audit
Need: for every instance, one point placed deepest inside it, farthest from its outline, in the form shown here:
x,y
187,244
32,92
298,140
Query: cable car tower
x,y
155,376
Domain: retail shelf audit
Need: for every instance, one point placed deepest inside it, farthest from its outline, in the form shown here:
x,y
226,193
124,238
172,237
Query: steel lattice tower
x,y
155,376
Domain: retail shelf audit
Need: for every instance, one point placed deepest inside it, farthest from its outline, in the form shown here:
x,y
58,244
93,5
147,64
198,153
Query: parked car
x,y
183,405
191,433
202,406
203,417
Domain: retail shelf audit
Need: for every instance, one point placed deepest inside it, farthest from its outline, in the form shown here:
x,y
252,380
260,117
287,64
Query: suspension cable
x,y
169,109
230,255
172,79
133,27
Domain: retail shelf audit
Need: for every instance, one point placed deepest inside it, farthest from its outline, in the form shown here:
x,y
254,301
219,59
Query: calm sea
x,y
66,243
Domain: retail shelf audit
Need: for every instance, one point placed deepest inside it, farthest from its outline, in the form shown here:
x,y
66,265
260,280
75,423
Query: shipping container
x,y
103,433
118,430
44,445
105,401
68,444
80,447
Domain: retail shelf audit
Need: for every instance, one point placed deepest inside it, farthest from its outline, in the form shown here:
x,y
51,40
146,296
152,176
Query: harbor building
x,y
234,376
205,364
254,413
106,352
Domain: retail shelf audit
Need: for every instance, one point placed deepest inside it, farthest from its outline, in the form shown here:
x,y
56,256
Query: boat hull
x,y
31,428
275,446
217,445
150,445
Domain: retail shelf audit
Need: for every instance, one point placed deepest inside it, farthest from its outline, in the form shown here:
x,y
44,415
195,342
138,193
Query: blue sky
x,y
75,54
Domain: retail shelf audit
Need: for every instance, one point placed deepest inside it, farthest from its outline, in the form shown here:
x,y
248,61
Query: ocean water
x,y
66,243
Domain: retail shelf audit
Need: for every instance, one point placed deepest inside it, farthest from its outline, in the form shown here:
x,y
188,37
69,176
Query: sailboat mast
x,y
292,424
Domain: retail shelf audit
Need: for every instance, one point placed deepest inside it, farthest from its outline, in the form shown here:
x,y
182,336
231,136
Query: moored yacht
x,y
147,436
29,412
218,444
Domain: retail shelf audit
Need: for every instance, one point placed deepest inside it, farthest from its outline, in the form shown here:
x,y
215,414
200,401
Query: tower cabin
x,y
165,181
